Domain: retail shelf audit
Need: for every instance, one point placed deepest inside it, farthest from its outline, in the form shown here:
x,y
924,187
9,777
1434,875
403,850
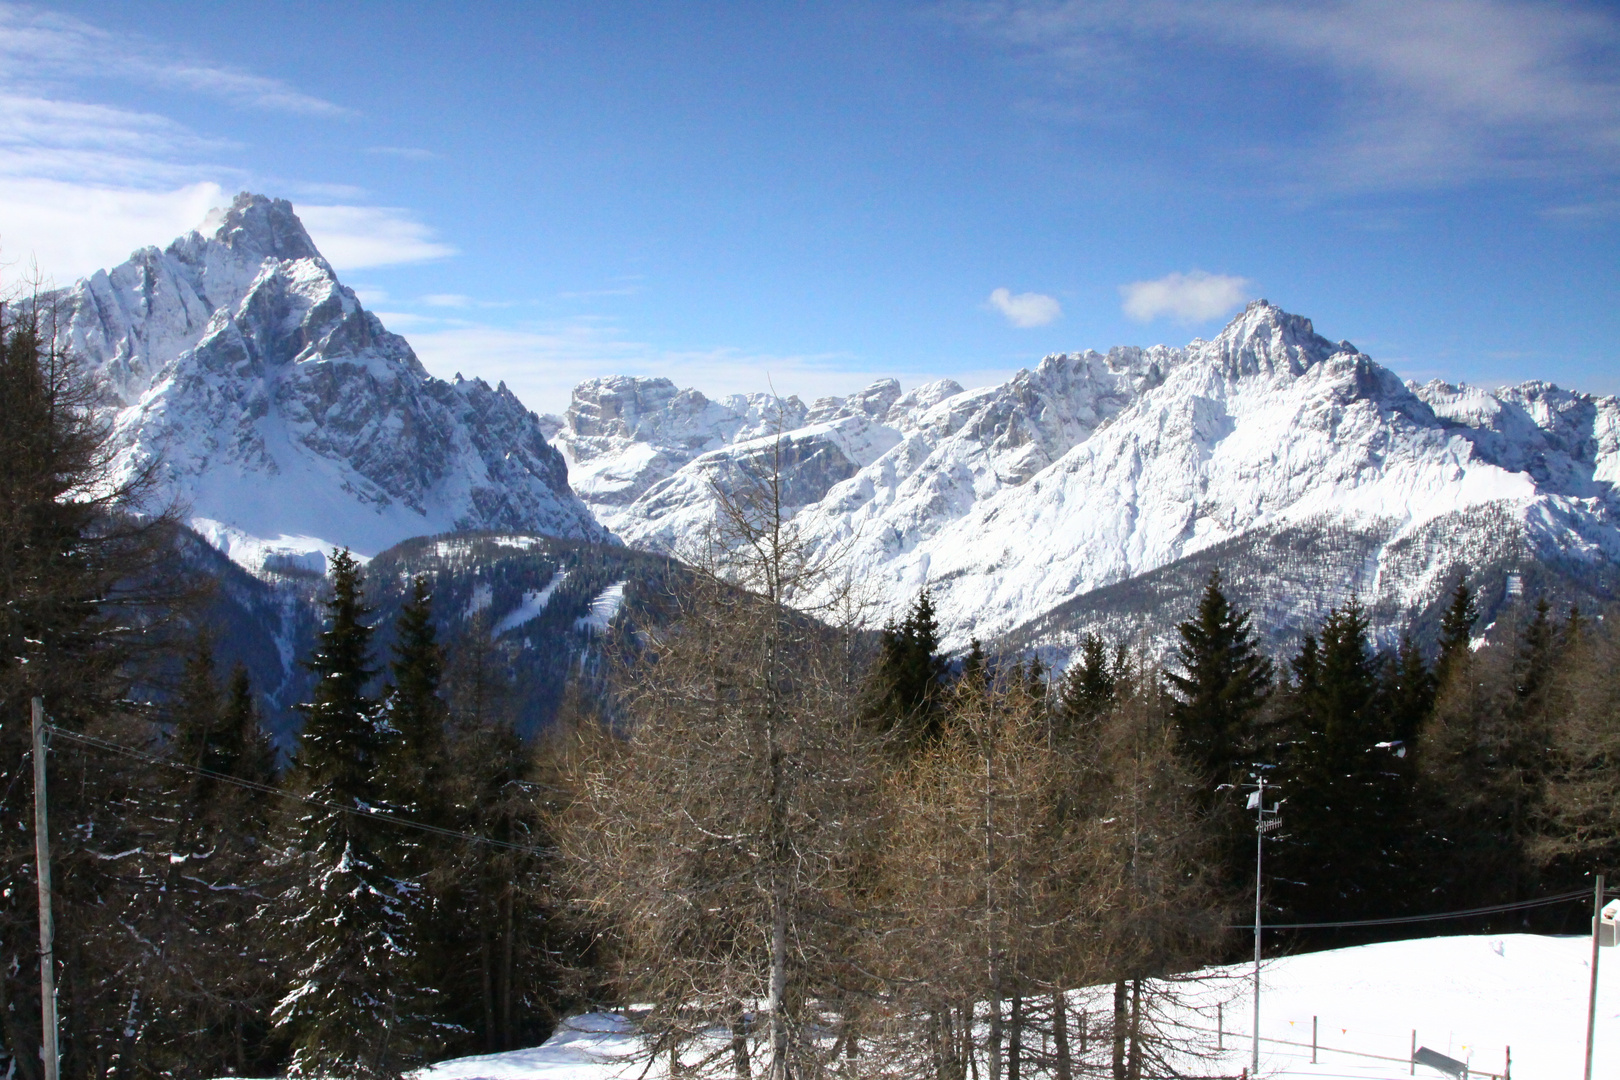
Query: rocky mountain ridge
x,y
284,417
1092,469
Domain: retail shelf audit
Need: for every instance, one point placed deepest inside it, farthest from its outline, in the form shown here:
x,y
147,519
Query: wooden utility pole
x,y
1591,1001
47,926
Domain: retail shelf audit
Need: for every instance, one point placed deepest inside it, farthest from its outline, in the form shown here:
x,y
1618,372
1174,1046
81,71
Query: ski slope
x,y
1470,998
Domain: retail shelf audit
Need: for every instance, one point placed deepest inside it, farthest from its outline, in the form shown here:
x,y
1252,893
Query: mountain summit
x,y
285,416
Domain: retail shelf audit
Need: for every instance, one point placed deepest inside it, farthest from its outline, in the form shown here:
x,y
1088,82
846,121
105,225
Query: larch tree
x,y
715,830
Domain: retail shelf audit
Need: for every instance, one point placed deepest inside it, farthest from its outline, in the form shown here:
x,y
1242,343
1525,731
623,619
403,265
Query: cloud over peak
x,y
1192,297
1026,310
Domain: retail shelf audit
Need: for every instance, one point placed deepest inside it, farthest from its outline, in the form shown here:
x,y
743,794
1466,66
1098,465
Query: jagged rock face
x,y
1092,470
285,416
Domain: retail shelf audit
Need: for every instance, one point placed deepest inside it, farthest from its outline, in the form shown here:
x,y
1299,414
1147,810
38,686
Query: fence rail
x,y
1318,1048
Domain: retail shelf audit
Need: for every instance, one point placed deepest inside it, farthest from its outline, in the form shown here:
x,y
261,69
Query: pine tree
x,y
1089,685
1225,683
83,605
202,993
350,911
1347,822
415,711
1408,692
1456,631
909,675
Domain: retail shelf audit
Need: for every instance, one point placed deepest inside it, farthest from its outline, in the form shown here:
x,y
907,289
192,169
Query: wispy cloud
x,y
36,45
358,237
84,183
407,153
1026,310
1436,93
1189,298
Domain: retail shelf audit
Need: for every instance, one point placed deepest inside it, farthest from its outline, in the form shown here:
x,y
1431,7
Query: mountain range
x,y
1094,490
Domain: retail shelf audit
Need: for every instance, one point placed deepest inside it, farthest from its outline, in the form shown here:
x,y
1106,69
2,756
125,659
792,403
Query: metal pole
x,y
1591,999
1259,848
1313,1040
47,926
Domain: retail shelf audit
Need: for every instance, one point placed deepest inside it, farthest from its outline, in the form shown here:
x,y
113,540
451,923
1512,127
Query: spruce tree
x,y
200,998
1456,631
909,675
1347,823
1224,683
416,712
79,618
1089,685
1408,692
350,911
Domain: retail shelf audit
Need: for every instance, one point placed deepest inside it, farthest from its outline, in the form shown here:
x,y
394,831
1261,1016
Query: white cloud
x,y
71,230
450,300
1419,94
1028,309
83,184
358,237
1190,298
38,45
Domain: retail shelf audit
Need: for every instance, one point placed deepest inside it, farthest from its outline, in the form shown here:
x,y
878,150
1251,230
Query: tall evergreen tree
x,y
1347,822
416,712
350,911
1456,631
1408,692
77,619
1089,685
909,675
1223,683
198,999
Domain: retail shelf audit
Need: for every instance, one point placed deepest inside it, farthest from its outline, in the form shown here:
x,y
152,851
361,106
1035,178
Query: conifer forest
x,y
849,851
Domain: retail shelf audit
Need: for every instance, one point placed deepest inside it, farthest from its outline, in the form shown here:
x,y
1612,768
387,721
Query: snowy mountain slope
x,y
285,416
1091,470
1473,998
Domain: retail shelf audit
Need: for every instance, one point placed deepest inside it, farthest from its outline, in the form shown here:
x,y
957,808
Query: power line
x,y
270,789
1522,905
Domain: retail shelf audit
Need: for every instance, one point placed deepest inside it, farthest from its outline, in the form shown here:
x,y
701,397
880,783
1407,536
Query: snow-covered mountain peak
x,y
286,416
256,228
1264,340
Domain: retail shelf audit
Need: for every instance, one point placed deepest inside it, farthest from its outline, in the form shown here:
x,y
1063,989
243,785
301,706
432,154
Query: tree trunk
x,y
1060,1036
508,948
1015,1037
739,1046
1122,1023
993,1049
970,1058
778,987
1135,1070
487,963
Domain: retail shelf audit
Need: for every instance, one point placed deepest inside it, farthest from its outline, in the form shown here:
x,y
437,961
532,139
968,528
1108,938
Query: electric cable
x,y
1522,905
270,789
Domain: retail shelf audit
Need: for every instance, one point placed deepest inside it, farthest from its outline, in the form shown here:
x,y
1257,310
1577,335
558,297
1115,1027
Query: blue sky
x,y
816,194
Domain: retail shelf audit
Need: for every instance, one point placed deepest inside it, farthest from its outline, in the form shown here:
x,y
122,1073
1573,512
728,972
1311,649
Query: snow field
x,y
1469,997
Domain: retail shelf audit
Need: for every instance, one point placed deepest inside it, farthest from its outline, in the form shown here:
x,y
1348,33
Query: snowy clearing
x,y
1467,997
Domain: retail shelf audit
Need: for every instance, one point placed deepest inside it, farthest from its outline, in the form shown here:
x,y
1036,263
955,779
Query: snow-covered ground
x,y
1470,998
